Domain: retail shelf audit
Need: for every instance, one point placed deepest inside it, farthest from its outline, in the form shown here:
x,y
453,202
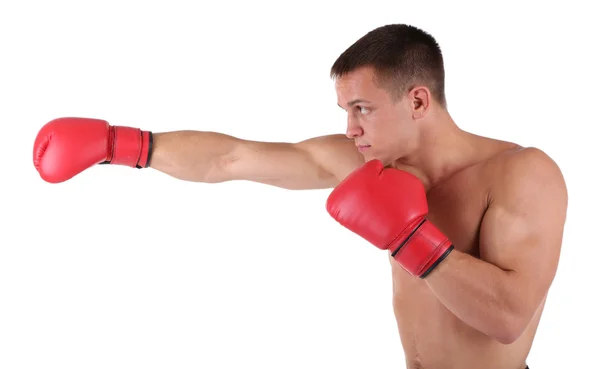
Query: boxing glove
x,y
64,147
388,208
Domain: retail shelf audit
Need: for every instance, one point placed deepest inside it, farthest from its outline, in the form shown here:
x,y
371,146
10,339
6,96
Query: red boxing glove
x,y
387,207
65,147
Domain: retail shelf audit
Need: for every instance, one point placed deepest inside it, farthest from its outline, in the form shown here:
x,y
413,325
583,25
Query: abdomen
x,y
433,337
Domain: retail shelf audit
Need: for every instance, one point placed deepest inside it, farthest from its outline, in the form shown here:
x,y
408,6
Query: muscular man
x,y
473,225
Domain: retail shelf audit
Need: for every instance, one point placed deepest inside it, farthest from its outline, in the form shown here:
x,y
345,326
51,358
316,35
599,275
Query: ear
x,y
420,98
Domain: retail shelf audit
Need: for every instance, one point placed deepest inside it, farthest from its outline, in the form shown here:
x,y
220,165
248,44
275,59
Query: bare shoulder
x,y
336,154
528,172
315,163
528,196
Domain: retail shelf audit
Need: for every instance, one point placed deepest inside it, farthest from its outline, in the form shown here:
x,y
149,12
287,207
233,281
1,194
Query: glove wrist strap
x,y
423,250
129,146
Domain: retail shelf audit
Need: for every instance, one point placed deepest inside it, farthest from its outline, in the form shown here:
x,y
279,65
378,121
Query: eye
x,y
363,110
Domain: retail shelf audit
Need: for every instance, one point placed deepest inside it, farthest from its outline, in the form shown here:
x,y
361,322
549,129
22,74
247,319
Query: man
x,y
473,225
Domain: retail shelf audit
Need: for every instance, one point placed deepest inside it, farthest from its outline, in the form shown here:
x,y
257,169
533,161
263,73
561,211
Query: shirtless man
x,y
471,281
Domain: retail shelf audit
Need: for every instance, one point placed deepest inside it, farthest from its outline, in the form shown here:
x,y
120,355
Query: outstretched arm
x,y
213,157
65,147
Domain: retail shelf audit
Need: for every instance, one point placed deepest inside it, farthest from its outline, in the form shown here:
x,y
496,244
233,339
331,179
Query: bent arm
x,y
520,242
213,157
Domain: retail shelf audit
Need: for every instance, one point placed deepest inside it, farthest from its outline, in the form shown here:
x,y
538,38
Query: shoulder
x,y
334,142
528,180
528,158
528,169
335,153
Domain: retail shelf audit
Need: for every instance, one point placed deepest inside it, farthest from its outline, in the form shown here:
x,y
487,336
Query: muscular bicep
x,y
522,230
315,163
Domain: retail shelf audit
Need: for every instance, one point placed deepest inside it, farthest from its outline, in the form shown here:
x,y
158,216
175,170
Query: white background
x,y
123,268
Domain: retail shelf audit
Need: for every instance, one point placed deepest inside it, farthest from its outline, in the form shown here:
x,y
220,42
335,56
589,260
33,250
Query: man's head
x,y
387,80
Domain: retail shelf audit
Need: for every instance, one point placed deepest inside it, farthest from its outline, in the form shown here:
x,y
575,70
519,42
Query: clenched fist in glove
x,y
64,147
387,207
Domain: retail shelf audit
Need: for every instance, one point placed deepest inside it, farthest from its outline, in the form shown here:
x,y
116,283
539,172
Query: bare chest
x,y
457,208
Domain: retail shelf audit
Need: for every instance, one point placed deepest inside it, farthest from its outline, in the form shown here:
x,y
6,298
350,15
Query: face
x,y
381,127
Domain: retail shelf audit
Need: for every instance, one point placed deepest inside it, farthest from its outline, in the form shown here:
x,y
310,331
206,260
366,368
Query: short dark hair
x,y
402,56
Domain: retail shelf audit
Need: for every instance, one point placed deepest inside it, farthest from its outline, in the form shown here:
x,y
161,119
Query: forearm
x,y
480,294
192,155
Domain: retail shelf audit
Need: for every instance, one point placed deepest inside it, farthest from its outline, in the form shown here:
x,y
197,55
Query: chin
x,y
369,157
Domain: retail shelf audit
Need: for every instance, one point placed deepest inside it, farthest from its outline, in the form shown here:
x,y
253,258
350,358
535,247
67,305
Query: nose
x,y
353,129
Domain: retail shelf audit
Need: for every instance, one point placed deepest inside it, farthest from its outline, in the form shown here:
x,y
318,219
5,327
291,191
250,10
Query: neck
x,y
441,150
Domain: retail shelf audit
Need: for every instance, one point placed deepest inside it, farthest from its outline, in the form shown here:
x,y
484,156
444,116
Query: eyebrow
x,y
356,101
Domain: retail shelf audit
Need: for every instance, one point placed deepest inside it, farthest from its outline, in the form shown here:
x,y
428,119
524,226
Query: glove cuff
x,y
423,250
129,146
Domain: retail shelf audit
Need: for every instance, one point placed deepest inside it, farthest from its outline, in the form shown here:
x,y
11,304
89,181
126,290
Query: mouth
x,y
363,148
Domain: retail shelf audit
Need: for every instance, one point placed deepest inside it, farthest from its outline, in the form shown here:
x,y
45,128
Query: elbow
x,y
508,336
513,318
510,329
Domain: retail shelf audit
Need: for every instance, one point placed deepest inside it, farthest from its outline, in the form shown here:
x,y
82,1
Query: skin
x,y
502,206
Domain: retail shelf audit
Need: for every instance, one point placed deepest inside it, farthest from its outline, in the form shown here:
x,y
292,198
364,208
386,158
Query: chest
x,y
457,207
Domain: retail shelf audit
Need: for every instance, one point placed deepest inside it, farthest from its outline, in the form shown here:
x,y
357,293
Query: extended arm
x,y
213,157
65,147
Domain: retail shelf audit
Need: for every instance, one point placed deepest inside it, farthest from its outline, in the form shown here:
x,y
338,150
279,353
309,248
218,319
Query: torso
x,y
432,337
